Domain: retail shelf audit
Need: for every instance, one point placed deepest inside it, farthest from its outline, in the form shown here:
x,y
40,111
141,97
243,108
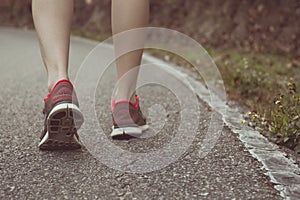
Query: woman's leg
x,y
52,19
126,15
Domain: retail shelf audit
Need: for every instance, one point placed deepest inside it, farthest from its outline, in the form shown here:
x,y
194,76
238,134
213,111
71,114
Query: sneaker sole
x,y
128,131
63,123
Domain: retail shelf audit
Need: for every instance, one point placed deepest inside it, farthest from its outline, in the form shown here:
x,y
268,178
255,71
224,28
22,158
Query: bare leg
x,y
126,15
52,19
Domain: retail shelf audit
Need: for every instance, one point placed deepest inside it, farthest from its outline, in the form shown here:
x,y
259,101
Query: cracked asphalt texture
x,y
227,172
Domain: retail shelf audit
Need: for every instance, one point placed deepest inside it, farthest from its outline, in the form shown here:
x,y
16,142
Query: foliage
x,y
285,121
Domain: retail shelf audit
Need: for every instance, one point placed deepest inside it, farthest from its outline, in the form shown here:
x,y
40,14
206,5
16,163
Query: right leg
x,y
128,120
52,19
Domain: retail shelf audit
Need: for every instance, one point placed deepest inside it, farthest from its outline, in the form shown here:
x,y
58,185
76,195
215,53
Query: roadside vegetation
x,y
268,85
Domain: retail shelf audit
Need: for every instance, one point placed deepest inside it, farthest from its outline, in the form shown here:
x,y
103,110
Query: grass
x,y
265,83
255,79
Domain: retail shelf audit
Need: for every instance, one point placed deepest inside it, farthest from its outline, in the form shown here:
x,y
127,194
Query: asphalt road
x,y
227,172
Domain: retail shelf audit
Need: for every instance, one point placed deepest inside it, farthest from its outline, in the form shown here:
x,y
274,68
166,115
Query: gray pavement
x,y
228,172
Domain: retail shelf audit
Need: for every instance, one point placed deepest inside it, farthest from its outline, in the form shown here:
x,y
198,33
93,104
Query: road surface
x,y
228,172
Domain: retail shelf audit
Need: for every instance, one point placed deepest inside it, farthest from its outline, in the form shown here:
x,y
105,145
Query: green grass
x,y
267,84
255,78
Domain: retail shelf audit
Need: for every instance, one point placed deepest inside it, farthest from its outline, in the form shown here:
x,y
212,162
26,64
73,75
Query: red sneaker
x,y
128,119
62,118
